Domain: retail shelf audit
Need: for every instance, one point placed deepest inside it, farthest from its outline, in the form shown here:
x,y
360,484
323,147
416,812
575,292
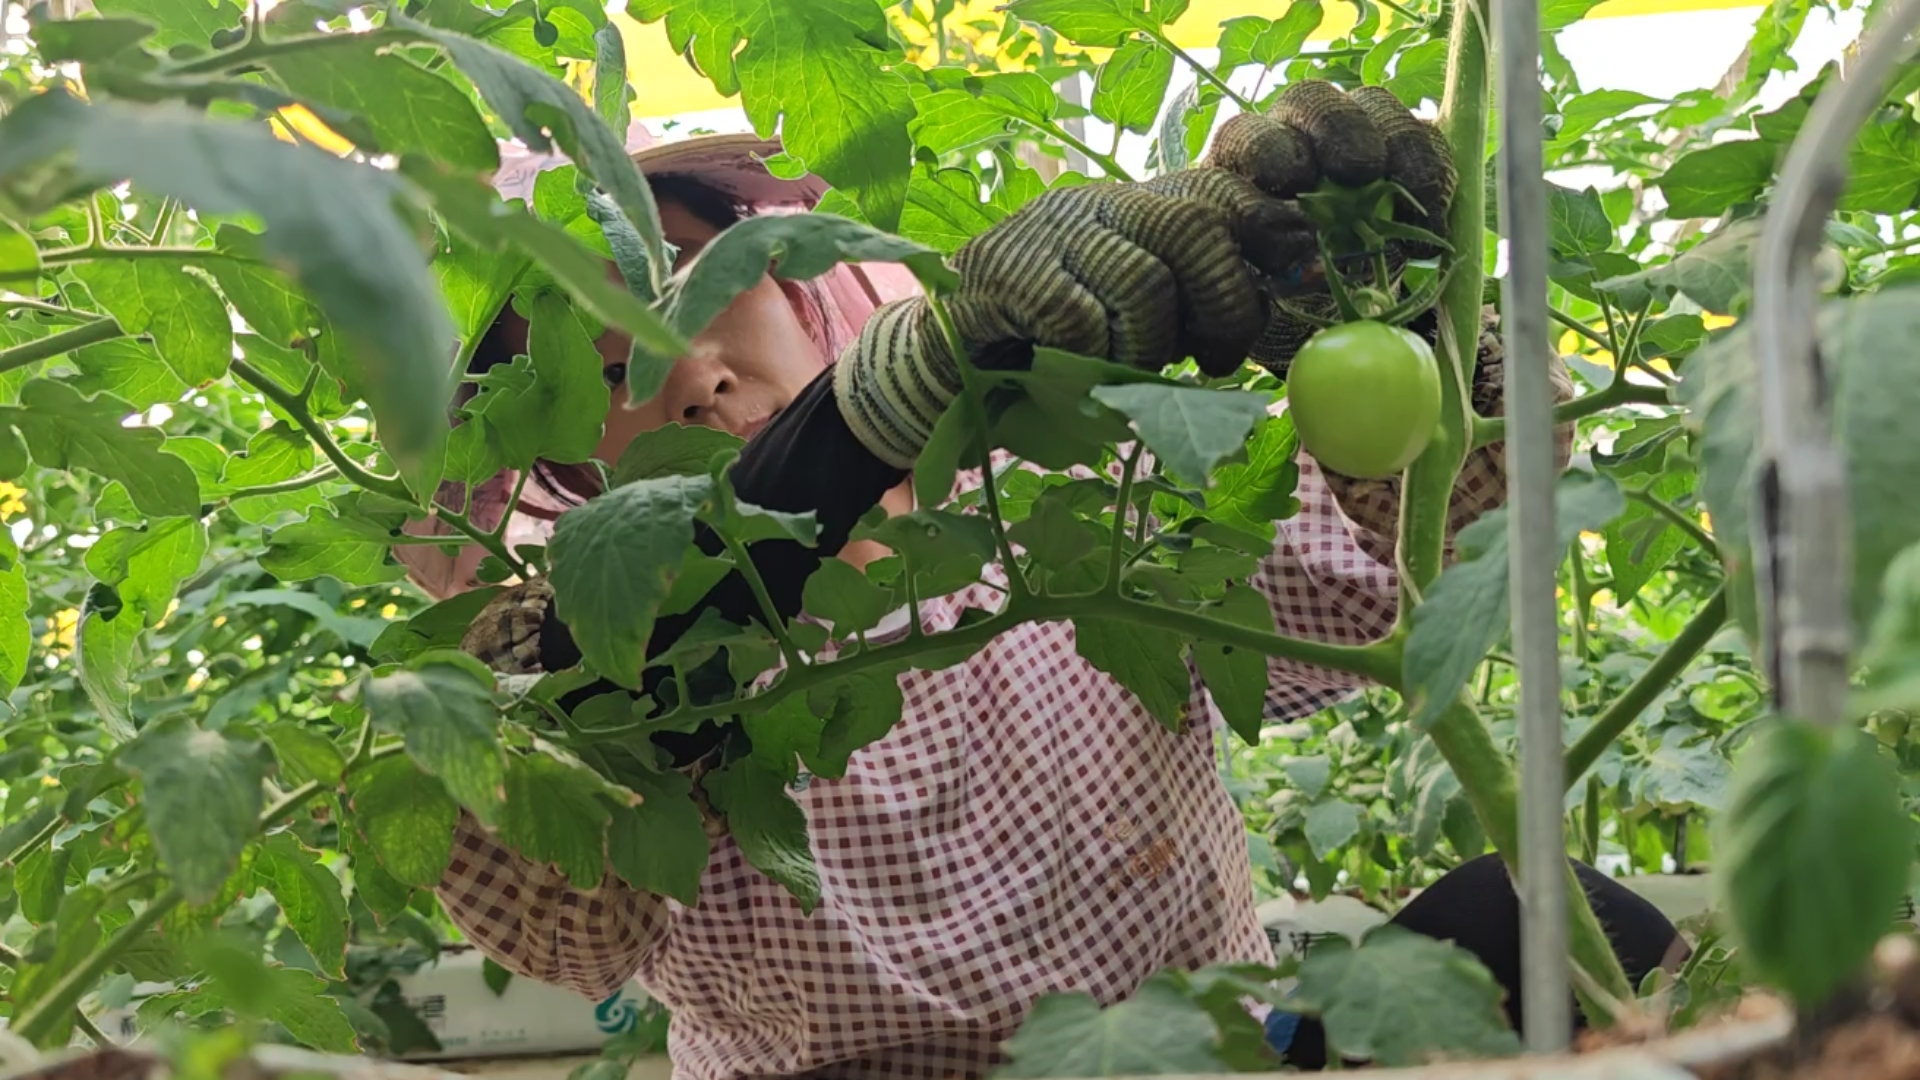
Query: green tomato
x,y
1365,398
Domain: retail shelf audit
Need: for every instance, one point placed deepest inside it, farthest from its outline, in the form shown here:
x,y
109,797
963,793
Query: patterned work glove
x,y
1144,274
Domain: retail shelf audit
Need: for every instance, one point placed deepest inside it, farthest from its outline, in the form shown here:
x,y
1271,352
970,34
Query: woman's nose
x,y
703,378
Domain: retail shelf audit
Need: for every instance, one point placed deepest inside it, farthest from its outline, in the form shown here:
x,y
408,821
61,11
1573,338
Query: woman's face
x,y
747,365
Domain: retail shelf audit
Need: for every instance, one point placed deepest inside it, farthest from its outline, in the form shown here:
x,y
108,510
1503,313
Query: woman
x,y
1026,827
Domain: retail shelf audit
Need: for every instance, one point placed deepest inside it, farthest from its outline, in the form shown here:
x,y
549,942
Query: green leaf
x,y
955,434
1251,496
446,712
407,108
827,66
78,933
309,897
945,550
341,541
1101,24
949,120
859,709
147,564
1187,428
293,998
1053,536
614,562
1158,1031
1578,222
496,977
439,626
182,313
796,247
1579,115
1812,856
552,813
1251,39
1309,774
407,817
107,640
944,208
66,431
549,405
175,23
1128,88
1237,677
1684,771
1709,182
87,40
270,303
474,211
1465,612
1402,998
1143,659
16,634
768,826
202,794
1421,73
1641,542
846,598
1715,273
1330,825
1560,14
351,629
1883,171
329,222
660,845
305,754
380,891
673,450
126,369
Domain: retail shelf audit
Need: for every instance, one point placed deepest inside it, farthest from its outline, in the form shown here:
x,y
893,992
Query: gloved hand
x,y
1144,274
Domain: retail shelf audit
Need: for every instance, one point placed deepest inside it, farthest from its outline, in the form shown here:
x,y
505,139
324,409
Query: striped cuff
x,y
894,381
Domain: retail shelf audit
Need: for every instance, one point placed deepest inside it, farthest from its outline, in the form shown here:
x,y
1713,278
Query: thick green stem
x,y
46,348
42,1018
1491,429
295,406
1204,72
1659,675
769,614
1118,542
1486,777
1681,520
1114,170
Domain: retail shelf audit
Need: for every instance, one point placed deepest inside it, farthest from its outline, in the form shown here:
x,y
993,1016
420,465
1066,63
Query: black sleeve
x,y
807,459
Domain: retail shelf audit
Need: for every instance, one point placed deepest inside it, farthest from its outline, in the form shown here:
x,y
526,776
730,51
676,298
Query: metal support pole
x,y
1800,521
1534,558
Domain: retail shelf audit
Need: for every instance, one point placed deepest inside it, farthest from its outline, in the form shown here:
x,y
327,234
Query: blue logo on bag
x,y
617,1015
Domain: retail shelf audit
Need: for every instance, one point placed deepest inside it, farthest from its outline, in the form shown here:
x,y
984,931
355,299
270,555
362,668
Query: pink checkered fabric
x,y
1026,828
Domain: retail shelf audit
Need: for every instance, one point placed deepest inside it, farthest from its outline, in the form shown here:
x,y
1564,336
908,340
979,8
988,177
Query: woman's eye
x,y
615,374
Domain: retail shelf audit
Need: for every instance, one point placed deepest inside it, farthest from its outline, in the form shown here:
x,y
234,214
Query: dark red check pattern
x,y
1026,828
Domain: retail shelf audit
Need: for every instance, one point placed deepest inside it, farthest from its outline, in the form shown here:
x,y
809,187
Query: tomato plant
x,y
245,251
1365,398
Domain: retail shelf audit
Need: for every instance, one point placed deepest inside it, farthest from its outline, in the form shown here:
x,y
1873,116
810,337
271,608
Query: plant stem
x,y
1203,71
295,406
1605,341
1119,537
1486,777
1683,521
36,841
1105,161
1582,599
13,960
35,305
1491,429
777,626
1590,815
1659,675
37,1024
1379,662
254,49
46,348
91,252
488,539
317,476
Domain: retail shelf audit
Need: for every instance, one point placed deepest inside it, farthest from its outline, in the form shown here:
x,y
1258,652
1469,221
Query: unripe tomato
x,y
1365,398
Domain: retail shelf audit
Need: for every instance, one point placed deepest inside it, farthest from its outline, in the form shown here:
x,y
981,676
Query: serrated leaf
x,y
768,826
1465,612
1143,659
202,795
407,108
1235,677
1329,825
106,642
859,709
273,306
1883,170
407,817
827,62
1708,182
126,369
1251,39
796,247
547,405
305,754
1812,855
1129,86
451,727
147,564
1187,428
310,899
1158,1031
1714,273
660,845
191,25
1309,774
1252,495
1684,770
846,598
673,450
1052,535
614,563
339,542
64,430
946,550
180,312
1099,23
552,813
439,626
1403,999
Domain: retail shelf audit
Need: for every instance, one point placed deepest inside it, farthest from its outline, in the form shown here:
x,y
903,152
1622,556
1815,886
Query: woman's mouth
x,y
753,427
